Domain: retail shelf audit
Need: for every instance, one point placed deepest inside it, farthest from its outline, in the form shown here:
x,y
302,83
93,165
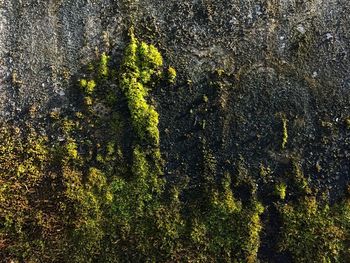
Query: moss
x,y
87,86
222,227
23,158
83,83
88,101
313,232
103,69
72,152
220,72
171,73
140,63
205,99
90,86
113,204
300,182
265,172
280,190
54,115
285,131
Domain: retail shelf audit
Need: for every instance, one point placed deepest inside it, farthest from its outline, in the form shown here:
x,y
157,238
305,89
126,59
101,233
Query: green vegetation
x,y
285,132
222,228
140,63
103,66
280,190
171,75
312,229
315,232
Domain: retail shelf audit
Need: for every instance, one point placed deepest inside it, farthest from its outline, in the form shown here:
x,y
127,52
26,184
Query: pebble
x,y
329,36
301,29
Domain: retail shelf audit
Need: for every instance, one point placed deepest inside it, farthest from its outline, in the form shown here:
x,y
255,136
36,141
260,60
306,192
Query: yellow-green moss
x,y
171,75
140,63
280,190
314,232
285,131
103,69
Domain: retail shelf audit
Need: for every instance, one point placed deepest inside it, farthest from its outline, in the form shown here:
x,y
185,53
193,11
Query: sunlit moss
x,y
140,63
285,132
171,74
103,69
72,151
280,190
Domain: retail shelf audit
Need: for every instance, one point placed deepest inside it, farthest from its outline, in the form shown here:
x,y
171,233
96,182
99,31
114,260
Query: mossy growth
x,y
313,231
171,74
299,181
103,69
140,63
219,217
285,131
91,192
281,190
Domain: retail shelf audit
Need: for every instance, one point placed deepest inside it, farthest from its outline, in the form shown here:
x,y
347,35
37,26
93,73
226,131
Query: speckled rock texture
x,y
241,66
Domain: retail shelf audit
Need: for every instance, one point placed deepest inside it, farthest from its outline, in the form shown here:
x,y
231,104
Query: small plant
x,y
87,86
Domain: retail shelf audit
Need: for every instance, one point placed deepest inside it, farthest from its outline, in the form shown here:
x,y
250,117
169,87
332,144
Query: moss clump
x,y
219,218
103,69
140,62
72,152
27,223
300,182
88,101
171,73
285,131
280,190
87,86
313,230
